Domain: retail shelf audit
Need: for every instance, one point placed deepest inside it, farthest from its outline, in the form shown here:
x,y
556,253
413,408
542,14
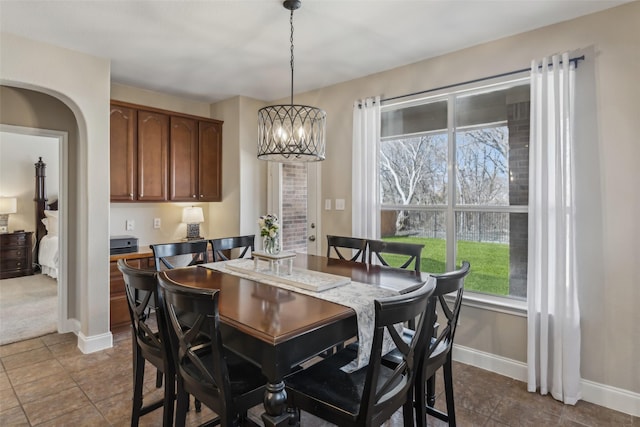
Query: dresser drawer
x,y
15,239
14,253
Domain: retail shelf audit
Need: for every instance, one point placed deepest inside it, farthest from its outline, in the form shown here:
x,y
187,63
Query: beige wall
x,y
81,83
608,199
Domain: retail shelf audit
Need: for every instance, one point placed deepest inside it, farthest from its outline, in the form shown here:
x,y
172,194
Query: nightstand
x,y
16,254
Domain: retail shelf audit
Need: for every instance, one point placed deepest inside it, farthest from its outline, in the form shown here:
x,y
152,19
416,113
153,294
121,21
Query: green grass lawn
x,y
489,262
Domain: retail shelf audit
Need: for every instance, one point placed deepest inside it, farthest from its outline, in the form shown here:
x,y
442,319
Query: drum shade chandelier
x,y
291,133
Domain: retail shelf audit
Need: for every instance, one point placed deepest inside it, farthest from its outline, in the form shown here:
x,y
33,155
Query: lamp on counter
x,y
193,216
8,205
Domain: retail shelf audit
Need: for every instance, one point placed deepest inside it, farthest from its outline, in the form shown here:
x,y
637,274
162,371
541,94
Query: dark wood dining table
x,y
279,329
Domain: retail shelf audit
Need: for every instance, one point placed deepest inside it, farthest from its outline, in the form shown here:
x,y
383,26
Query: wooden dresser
x,y
118,311
16,257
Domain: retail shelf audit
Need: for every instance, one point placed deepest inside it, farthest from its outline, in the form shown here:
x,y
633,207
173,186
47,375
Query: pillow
x,y
51,222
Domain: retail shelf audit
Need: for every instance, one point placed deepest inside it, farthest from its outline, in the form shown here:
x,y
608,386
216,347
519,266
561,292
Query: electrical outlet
x,y
339,204
156,222
130,225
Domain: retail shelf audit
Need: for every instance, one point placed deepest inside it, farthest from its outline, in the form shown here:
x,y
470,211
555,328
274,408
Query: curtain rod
x,y
495,76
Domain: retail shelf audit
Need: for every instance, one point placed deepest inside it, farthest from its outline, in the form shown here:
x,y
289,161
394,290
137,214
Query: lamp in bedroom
x,y
8,205
193,217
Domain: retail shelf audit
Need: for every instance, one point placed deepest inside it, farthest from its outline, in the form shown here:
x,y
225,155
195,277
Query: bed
x,y
46,252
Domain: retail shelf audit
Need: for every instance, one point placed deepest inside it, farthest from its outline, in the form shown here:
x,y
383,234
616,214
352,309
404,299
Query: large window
x,y
454,173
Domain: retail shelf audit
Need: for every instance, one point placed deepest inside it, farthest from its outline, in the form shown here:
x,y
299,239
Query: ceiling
x,y
213,50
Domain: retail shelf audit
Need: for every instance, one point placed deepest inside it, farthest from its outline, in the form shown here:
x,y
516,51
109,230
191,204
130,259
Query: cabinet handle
x,y
19,253
18,264
194,196
201,195
131,195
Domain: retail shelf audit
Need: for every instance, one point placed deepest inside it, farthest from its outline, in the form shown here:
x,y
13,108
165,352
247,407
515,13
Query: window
x,y
454,172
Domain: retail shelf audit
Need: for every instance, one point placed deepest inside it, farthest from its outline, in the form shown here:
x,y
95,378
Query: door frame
x,y
274,198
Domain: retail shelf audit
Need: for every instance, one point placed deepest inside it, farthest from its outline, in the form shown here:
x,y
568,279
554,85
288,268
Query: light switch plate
x,y
327,204
339,204
156,223
130,224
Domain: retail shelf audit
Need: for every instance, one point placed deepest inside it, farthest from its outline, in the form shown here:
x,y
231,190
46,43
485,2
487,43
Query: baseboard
x,y
95,342
601,394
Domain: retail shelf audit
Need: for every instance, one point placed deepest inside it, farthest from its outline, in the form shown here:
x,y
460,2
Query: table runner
x,y
356,295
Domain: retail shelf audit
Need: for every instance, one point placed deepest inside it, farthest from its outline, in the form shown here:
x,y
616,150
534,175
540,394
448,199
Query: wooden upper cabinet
x,y
183,164
122,162
153,143
210,162
158,155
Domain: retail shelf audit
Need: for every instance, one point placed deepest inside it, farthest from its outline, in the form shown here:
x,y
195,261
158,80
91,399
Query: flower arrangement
x,y
269,225
270,232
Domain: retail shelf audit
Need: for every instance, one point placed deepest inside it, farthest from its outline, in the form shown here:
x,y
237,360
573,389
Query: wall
x,y
81,82
18,154
608,199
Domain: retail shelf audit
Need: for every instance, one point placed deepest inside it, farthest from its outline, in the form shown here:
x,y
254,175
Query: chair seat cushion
x,y
326,385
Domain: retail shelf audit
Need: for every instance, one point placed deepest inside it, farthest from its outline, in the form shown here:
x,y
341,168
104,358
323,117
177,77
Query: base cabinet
x,y
118,306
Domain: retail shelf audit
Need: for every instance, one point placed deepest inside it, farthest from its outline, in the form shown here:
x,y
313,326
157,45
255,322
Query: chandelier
x,y
290,132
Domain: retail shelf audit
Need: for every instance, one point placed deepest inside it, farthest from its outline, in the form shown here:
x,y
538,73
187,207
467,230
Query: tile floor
x,y
47,381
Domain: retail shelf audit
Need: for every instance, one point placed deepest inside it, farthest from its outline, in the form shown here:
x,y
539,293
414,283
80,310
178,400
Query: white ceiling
x,y
212,50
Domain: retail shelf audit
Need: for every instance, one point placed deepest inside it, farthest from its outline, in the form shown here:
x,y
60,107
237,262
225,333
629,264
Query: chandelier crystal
x,y
290,132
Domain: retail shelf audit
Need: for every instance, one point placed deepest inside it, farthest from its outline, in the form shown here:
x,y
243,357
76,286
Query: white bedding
x,y
48,256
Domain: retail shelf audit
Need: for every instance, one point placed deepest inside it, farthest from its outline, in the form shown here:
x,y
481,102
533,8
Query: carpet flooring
x,y
28,307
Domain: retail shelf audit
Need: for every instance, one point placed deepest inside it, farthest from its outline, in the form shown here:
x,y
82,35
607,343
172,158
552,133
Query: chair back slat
x,y
245,244
381,249
383,395
347,248
168,255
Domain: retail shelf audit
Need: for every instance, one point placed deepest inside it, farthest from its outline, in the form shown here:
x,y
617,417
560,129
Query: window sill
x,y
496,303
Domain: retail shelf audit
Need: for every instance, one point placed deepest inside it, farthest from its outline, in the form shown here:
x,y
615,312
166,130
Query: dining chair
x,y
383,251
448,292
180,254
223,381
150,341
357,247
222,246
371,394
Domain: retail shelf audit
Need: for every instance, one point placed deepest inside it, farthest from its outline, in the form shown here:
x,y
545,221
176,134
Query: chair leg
x,y
181,406
431,391
138,380
407,411
420,402
158,378
448,389
169,399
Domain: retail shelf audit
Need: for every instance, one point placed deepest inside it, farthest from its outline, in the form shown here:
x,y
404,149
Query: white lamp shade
x,y
8,205
192,215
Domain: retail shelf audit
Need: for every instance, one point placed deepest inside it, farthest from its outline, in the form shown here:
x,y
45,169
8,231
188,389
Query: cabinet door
x,y
210,162
153,142
183,169
123,154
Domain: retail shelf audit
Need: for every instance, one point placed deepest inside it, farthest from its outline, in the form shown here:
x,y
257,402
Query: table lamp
x,y
193,216
8,205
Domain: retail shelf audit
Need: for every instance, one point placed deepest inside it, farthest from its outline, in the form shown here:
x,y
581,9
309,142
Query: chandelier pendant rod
x,y
291,40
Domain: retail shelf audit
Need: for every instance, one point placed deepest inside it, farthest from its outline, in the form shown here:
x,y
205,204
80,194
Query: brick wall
x,y
294,207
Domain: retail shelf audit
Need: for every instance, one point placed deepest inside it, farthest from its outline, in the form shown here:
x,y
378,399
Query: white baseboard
x,y
601,394
95,342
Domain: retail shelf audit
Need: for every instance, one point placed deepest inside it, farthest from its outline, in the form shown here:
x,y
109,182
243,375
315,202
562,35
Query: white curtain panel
x,y
365,218
553,353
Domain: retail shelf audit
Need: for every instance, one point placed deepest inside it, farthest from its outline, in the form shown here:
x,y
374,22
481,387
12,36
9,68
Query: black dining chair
x,y
448,292
222,246
370,395
150,342
180,254
381,249
357,248
223,381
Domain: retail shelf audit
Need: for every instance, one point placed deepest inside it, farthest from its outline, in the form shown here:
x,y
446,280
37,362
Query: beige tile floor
x,y
47,381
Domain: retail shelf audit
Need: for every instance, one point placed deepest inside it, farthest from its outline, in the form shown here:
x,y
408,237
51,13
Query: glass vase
x,y
271,244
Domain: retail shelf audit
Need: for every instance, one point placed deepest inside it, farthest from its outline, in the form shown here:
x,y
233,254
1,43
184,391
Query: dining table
x,y
278,329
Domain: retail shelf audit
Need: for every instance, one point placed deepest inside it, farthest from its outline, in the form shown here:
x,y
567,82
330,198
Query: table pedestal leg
x,y
275,403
